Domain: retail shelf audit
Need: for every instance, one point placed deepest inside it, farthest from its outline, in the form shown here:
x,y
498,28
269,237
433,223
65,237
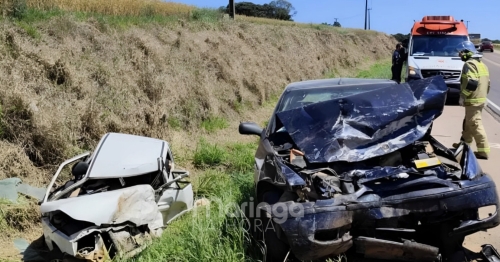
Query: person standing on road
x,y
474,87
397,63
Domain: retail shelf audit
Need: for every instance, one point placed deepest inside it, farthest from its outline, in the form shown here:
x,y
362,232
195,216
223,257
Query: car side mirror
x,y
249,128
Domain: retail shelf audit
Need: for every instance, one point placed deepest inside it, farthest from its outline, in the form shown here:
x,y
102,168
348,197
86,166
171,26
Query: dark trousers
x,y
396,72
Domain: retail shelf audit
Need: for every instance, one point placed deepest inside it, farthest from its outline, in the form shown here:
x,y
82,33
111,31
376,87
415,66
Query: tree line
x,y
336,24
278,9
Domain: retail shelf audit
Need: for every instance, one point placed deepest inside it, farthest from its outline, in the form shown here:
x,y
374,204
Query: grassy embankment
x,y
72,70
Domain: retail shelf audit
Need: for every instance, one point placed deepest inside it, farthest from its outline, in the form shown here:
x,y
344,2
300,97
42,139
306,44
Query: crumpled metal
x,y
368,124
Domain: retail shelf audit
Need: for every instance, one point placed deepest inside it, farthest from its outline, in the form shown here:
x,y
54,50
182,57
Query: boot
x,y
481,155
456,145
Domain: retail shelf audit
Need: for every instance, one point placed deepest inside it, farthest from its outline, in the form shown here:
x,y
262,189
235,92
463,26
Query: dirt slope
x,y
74,81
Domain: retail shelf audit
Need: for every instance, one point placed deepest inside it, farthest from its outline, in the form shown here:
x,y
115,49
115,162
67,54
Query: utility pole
x,y
231,9
369,18
366,13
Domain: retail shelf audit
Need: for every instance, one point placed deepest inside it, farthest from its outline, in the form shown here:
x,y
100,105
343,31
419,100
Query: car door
x,y
178,197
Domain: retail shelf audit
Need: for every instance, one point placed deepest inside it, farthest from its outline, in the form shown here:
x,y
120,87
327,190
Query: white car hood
x,y
436,62
134,204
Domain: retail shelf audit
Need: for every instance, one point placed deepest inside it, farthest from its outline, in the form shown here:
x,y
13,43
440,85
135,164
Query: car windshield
x,y
302,97
436,45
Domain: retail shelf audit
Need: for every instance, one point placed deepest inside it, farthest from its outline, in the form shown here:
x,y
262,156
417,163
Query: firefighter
x,y
397,63
474,87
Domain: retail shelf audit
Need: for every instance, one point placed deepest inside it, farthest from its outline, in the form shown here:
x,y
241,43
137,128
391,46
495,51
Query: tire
x,y
277,250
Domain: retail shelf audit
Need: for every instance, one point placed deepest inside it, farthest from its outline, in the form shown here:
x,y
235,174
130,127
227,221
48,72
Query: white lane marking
x,y
495,63
495,145
494,105
489,101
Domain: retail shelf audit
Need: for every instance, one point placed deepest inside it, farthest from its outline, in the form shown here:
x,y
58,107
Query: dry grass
x,y
114,7
18,220
268,21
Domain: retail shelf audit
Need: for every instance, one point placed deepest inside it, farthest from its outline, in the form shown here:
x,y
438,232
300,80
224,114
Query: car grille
x,y
447,75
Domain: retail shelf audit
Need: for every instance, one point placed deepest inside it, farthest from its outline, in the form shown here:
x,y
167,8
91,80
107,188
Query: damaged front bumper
x,y
86,227
89,243
325,226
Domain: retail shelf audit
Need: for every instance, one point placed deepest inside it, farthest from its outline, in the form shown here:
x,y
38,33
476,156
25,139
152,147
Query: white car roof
x,y
124,155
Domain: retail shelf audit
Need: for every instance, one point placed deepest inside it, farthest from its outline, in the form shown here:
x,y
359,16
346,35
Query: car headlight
x,y
413,72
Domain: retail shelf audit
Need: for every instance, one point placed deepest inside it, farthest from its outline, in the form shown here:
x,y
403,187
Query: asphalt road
x,y
492,60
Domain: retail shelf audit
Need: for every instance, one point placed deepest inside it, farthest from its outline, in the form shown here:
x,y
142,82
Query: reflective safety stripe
x,y
481,70
484,150
476,100
466,93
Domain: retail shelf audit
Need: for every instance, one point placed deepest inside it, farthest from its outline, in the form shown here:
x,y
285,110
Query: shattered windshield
x,y
445,45
304,97
354,123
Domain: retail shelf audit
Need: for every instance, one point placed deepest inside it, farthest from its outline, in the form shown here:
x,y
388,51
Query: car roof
x,y
124,155
337,82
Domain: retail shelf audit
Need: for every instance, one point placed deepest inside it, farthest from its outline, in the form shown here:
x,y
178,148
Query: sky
x,y
388,16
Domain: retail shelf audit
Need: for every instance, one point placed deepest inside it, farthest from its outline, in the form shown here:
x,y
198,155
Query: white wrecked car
x,y
119,198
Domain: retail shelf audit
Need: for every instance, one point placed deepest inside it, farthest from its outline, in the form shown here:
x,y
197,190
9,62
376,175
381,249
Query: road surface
x,y
492,60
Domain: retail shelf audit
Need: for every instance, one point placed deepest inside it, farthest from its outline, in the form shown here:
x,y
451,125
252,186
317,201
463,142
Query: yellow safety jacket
x,y
474,69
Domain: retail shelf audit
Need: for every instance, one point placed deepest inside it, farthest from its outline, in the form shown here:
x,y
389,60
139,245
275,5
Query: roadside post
x,y
231,9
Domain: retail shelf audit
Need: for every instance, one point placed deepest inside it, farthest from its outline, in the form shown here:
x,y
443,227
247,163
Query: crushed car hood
x,y
134,204
368,124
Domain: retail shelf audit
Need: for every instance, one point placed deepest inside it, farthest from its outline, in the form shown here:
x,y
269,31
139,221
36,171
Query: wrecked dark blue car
x,y
351,163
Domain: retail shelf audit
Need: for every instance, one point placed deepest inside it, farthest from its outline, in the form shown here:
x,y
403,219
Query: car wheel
x,y
277,250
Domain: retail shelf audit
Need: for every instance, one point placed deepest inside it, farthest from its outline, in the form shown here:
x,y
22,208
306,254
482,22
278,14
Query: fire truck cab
x,y
433,49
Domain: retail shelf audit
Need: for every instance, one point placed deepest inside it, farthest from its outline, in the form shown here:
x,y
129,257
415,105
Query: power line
x,y
345,18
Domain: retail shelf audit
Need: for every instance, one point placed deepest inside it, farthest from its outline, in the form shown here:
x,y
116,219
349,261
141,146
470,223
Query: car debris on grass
x,y
349,164
10,187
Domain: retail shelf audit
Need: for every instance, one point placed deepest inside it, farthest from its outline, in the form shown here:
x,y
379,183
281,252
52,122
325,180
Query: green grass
x,y
380,70
236,157
174,123
32,15
213,124
240,157
30,29
208,155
